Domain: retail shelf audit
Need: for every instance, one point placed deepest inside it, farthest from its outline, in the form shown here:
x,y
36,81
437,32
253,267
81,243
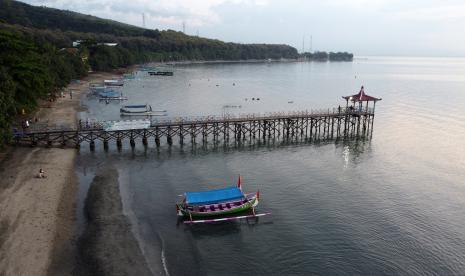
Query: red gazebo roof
x,y
361,97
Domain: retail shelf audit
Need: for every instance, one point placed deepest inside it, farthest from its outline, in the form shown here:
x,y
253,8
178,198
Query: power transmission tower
x,y
184,27
143,20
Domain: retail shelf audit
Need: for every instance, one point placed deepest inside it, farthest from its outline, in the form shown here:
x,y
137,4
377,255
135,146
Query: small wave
x,y
163,259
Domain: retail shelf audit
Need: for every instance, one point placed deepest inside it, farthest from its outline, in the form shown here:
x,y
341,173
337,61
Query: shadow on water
x,y
356,146
220,229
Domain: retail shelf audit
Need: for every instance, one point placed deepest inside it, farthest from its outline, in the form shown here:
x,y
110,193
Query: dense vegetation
x,y
19,13
29,72
135,45
324,56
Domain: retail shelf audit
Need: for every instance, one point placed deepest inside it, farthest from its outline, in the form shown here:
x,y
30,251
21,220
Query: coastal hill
x,y
135,45
19,13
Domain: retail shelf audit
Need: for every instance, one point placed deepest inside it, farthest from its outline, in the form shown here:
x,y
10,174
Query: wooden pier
x,y
316,125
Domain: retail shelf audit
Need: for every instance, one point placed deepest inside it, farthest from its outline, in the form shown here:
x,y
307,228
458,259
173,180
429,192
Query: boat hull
x,y
152,113
251,203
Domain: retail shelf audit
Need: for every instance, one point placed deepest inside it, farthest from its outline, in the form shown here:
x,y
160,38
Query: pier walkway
x,y
323,124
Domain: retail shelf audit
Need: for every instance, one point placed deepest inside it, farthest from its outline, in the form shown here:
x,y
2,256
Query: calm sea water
x,y
392,205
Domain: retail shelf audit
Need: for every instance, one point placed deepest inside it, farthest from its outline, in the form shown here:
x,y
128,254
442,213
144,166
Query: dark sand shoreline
x,y
108,246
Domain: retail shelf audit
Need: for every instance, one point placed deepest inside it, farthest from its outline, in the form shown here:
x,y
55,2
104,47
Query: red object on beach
x,y
239,182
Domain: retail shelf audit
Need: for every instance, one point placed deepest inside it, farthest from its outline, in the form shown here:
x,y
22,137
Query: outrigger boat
x,y
111,95
141,110
214,205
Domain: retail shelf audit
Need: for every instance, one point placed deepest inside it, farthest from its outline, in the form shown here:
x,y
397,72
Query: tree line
x,y
331,56
29,72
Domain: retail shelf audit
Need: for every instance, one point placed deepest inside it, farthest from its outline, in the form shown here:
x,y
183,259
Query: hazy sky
x,y
364,27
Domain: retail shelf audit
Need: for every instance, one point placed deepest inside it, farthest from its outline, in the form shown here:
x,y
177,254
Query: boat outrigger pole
x,y
225,219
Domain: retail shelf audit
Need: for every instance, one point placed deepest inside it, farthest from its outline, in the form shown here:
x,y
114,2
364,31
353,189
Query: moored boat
x,y
111,95
218,202
160,73
114,82
141,110
96,87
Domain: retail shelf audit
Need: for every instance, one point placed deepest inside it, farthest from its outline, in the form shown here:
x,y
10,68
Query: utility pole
x,y
311,43
303,44
143,20
184,27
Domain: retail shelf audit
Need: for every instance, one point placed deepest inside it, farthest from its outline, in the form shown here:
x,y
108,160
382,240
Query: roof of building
x,y
361,97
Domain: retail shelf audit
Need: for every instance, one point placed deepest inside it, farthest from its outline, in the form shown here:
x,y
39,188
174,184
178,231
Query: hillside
x,y
14,12
61,27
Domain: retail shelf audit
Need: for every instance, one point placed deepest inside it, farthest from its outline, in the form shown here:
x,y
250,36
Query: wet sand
x,y
37,215
108,246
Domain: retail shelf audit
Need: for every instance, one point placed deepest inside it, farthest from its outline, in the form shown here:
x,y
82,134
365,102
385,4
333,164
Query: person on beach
x,y
41,173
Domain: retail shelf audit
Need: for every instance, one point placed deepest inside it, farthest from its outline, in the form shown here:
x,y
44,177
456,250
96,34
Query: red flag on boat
x,y
239,182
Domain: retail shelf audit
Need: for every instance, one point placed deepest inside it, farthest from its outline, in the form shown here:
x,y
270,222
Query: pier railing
x,y
157,121
326,123
261,116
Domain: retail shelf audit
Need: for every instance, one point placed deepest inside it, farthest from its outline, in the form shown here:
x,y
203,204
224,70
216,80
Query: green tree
x,y
7,105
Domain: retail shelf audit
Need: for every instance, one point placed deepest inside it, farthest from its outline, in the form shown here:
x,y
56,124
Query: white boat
x,y
118,82
140,110
117,98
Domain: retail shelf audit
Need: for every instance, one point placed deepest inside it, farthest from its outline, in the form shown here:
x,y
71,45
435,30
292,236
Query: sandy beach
x,y
37,215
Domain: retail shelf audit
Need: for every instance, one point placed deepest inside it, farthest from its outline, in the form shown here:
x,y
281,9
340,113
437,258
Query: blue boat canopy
x,y
213,196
